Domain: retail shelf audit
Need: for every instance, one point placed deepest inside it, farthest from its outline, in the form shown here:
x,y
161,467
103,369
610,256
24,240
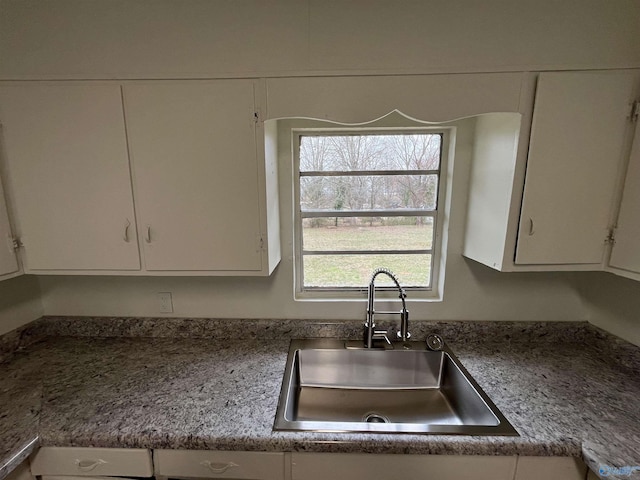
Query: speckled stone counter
x,y
569,389
20,401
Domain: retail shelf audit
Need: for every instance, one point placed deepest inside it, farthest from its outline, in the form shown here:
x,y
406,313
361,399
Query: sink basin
x,y
330,387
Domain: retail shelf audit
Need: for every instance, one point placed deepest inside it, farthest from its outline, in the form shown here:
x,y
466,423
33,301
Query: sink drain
x,y
375,418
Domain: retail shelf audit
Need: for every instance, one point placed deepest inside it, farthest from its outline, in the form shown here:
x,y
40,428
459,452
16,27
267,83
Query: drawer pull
x,y
126,231
218,467
88,465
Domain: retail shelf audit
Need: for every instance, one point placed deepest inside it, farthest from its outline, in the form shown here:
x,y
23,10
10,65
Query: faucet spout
x,y
370,334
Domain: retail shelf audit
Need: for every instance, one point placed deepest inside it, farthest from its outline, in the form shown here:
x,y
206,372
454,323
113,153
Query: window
x,y
367,199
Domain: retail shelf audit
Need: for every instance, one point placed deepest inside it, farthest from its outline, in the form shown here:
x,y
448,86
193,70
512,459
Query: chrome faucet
x,y
370,333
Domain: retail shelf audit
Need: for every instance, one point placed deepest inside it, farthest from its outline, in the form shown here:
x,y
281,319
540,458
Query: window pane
x,y
376,192
356,270
398,151
367,233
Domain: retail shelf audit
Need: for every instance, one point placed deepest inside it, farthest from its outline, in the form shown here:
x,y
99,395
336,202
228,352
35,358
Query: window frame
x,y
430,292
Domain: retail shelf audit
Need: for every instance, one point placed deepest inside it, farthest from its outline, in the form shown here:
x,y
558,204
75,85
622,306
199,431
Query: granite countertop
x,y
568,389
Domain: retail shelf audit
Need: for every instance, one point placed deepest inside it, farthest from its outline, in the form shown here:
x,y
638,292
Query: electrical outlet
x,y
165,303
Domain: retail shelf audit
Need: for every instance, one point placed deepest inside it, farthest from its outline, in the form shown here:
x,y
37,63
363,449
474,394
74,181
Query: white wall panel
x,y
487,35
431,98
163,38
202,38
612,303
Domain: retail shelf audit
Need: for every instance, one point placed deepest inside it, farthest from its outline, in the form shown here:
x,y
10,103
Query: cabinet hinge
x,y
17,243
635,111
260,242
256,117
611,237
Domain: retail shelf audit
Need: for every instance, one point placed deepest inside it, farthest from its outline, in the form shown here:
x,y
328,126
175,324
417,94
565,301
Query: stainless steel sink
x,y
408,389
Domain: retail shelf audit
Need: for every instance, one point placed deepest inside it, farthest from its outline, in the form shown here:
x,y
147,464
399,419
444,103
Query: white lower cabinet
x,y
21,472
77,477
347,466
61,463
218,464
92,462
550,468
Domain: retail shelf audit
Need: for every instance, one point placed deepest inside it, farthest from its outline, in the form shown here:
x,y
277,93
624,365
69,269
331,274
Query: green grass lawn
x,y
355,270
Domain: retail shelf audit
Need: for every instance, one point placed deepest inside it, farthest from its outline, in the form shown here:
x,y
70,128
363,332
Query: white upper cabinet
x,y
572,142
68,173
197,158
9,266
625,253
577,145
191,154
491,189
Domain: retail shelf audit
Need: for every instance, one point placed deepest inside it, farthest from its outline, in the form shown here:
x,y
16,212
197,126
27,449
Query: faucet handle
x,y
381,335
434,342
405,337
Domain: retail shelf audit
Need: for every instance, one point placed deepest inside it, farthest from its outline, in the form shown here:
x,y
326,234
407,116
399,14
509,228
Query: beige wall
x,y
19,302
612,303
204,38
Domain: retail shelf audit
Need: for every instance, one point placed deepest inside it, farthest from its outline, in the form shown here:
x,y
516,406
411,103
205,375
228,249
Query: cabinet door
x,y
348,466
550,468
68,173
193,153
577,143
625,253
21,473
8,259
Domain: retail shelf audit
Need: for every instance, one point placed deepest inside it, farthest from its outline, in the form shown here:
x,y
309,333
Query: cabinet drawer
x,y
347,466
75,477
206,464
124,462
